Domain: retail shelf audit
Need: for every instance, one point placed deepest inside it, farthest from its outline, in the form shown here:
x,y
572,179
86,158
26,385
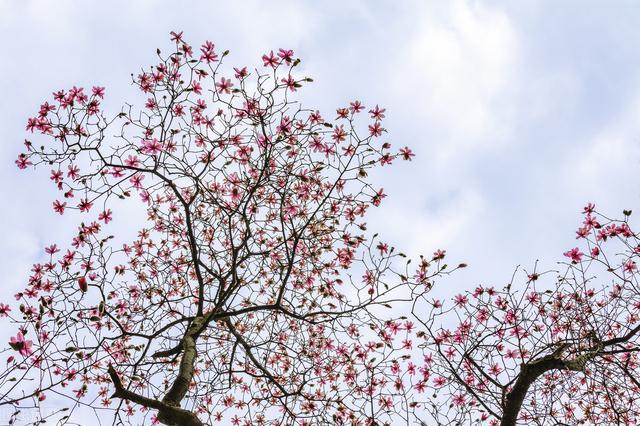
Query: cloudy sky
x,y
519,112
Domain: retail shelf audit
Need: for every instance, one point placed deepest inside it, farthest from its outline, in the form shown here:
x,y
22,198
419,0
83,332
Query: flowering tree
x,y
546,354
249,294
255,295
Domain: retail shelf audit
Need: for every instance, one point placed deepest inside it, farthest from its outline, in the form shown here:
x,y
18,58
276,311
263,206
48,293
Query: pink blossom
x,y
574,254
18,343
106,216
224,85
460,300
98,91
59,207
630,266
23,162
377,113
241,73
270,60
286,55
4,310
406,154
385,402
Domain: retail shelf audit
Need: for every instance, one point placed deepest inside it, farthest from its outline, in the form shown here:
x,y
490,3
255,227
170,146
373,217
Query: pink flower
x,y
339,134
56,176
495,370
482,315
355,107
151,147
574,254
439,254
582,232
406,154
73,172
106,216
377,113
85,205
345,257
385,402
377,199
290,82
224,85
82,391
461,299
630,266
459,399
98,91
241,72
82,284
132,161
533,298
376,129
383,247
439,381
32,123
136,181
270,60
177,37
23,162
18,343
588,209
420,387
4,310
291,210
207,52
286,55
235,193
59,207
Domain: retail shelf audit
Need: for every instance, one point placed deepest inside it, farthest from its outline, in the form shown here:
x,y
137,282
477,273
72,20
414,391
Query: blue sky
x,y
519,112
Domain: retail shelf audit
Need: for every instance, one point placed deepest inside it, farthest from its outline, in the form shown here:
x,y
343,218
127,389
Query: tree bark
x,y
529,373
168,414
169,410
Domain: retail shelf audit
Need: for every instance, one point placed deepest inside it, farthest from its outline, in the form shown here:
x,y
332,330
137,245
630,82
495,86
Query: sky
x,y
519,112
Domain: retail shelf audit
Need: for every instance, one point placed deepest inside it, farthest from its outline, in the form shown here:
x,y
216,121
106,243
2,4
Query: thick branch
x,y
529,373
167,414
181,384
247,350
173,351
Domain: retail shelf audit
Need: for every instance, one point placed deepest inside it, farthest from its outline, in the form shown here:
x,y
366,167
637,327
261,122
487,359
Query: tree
x,y
560,353
255,294
251,293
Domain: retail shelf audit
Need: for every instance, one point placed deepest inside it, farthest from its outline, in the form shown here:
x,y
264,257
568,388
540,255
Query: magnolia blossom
x,y
18,343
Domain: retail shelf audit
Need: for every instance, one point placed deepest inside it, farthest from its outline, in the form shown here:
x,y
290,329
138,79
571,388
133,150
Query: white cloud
x,y
464,64
431,227
606,166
